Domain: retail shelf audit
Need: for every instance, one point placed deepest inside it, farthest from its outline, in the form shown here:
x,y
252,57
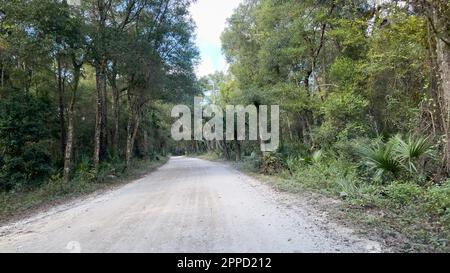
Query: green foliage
x,y
315,158
57,62
411,151
341,72
381,159
25,138
344,117
84,171
344,74
404,193
330,176
397,155
438,201
271,164
294,163
56,189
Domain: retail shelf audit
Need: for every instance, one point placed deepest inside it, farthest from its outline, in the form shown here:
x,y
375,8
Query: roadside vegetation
x,y
86,92
19,203
363,92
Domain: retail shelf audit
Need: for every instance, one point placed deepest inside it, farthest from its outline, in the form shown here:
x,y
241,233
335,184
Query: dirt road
x,y
189,205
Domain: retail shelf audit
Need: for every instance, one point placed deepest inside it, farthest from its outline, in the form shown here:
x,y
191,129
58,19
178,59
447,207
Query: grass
x,y
15,205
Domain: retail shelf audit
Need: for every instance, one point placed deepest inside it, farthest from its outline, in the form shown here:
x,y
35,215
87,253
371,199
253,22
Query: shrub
x,y
351,149
381,160
404,193
294,163
397,155
331,175
25,138
271,164
412,150
344,115
85,173
347,187
291,148
369,194
438,201
315,158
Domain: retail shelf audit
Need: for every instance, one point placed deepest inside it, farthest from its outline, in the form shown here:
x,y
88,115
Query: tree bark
x,y
443,57
116,112
100,126
100,11
197,147
3,77
71,125
226,150
62,124
237,145
438,21
132,129
104,126
69,142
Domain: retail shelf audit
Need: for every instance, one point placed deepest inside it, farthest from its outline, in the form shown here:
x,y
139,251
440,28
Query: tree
x,y
26,124
74,56
437,13
163,54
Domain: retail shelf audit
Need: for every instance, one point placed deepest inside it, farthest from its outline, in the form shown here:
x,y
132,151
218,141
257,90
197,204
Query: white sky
x,y
210,17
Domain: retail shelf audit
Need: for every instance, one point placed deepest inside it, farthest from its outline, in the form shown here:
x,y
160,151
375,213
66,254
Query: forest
x,y
85,89
87,85
363,88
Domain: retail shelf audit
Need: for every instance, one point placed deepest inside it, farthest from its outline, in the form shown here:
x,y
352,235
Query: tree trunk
x,y
104,126
438,20
100,10
69,142
146,144
129,148
100,112
116,113
132,130
227,152
291,136
237,145
197,147
3,77
443,56
71,125
443,60
62,124
131,139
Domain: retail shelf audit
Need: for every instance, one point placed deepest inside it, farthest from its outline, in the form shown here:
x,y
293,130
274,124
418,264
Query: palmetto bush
x,y
397,155
294,163
271,164
411,151
381,160
315,158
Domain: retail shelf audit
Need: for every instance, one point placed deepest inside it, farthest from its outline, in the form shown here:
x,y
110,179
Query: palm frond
x,y
381,159
317,156
410,151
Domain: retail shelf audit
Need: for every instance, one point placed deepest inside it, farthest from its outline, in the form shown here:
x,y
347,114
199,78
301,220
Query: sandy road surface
x,y
189,205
